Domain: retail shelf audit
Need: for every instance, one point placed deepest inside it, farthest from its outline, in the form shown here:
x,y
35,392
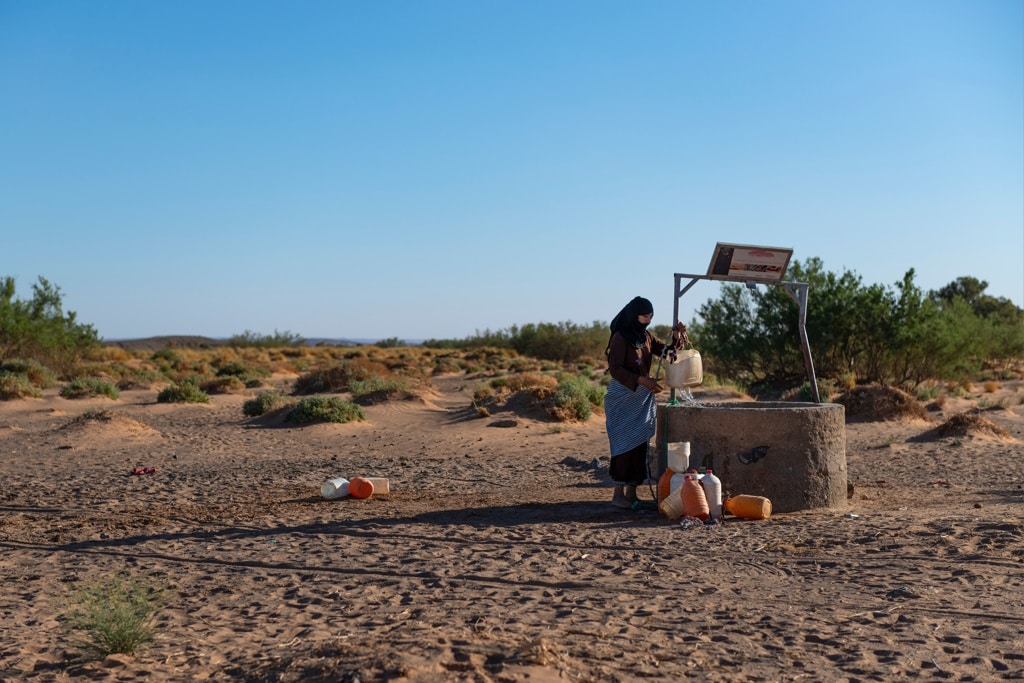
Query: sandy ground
x,y
497,556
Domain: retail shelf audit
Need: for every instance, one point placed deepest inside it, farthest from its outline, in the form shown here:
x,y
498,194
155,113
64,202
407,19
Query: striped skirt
x,y
629,417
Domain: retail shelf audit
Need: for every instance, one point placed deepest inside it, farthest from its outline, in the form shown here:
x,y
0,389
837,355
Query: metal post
x,y
798,291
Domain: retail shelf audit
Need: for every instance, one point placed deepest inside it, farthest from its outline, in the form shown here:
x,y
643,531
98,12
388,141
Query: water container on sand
x,y
360,487
664,484
749,507
678,460
695,503
713,492
672,505
335,488
381,486
678,455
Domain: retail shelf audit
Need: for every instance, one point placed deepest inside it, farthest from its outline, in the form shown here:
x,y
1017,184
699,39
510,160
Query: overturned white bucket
x,y
335,488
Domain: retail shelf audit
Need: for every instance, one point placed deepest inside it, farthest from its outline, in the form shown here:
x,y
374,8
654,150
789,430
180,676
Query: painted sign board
x,y
745,263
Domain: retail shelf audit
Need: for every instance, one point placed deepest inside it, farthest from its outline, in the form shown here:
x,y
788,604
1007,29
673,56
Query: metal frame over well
x,y
796,290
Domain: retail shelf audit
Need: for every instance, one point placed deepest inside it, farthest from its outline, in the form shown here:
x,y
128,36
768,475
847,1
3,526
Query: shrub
x,y
339,377
482,392
17,385
222,385
167,354
247,375
927,391
276,340
40,329
362,387
135,378
115,615
36,373
826,388
263,403
82,387
575,399
530,380
324,409
183,392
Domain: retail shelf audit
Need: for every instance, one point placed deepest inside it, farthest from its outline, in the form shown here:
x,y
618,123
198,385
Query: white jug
x,y
686,370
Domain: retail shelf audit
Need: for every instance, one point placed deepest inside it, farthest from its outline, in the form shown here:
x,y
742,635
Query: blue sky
x,y
433,169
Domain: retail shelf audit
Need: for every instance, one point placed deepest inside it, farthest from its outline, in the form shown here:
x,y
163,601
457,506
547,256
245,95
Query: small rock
x,y
504,423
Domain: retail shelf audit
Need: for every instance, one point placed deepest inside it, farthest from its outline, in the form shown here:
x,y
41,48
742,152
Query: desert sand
x,y
496,556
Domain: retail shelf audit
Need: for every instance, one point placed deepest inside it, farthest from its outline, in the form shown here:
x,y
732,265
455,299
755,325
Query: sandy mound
x,y
534,404
881,404
974,425
103,424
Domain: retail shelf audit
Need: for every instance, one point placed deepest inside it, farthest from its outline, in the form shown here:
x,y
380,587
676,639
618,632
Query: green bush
x,y
82,387
895,335
575,398
167,354
325,409
115,615
248,375
133,378
362,387
17,385
265,341
37,373
264,402
40,330
227,384
339,377
826,388
183,392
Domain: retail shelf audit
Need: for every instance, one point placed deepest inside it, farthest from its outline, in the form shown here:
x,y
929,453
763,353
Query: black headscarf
x,y
626,323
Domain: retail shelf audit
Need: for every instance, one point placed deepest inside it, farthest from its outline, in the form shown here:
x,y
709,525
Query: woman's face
x,y
645,319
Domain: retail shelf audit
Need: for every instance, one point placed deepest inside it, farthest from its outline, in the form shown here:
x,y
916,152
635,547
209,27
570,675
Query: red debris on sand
x,y
142,470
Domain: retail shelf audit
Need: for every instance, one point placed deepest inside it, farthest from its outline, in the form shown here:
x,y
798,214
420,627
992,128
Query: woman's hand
x,y
650,383
679,333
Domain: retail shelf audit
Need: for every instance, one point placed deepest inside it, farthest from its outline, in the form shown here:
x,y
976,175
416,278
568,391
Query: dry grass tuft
x,y
530,381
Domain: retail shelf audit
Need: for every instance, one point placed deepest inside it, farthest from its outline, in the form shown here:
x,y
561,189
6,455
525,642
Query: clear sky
x,y
433,169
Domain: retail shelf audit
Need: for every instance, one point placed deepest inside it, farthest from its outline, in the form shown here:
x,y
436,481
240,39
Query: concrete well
x,y
792,453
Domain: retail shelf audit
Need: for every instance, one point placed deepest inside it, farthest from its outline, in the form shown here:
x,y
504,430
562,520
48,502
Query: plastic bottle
x,y
381,486
749,507
664,485
672,506
695,503
712,486
678,456
335,488
360,487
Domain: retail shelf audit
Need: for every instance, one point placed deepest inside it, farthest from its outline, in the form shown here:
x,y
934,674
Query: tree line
x,y
896,335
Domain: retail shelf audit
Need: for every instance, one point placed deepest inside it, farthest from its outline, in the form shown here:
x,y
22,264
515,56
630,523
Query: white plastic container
x,y
677,480
334,488
686,370
713,492
678,456
381,486
672,505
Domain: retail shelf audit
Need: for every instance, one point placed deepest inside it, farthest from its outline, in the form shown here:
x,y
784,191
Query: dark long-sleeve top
x,y
627,364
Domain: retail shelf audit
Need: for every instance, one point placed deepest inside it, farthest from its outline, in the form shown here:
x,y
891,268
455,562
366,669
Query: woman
x,y
629,405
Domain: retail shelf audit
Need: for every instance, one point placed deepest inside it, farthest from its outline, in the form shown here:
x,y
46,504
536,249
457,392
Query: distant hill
x,y
178,341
